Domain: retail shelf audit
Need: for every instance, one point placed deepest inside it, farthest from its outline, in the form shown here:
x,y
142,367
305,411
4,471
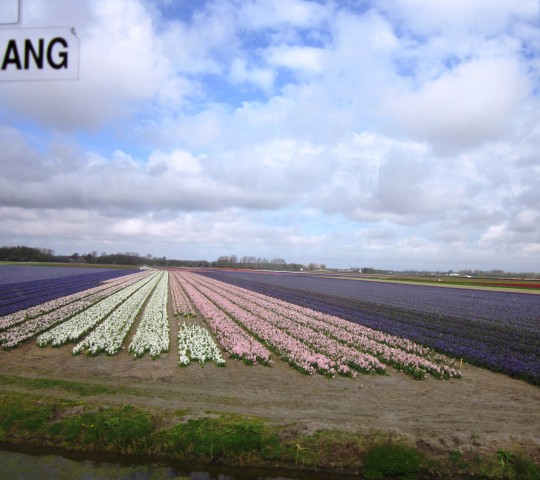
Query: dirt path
x,y
484,410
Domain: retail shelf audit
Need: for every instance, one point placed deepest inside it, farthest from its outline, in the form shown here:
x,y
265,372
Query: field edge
x,y
70,416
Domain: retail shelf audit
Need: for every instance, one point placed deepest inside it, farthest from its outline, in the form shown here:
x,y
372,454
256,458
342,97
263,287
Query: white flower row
x,y
84,321
236,341
153,333
22,331
20,316
196,343
109,335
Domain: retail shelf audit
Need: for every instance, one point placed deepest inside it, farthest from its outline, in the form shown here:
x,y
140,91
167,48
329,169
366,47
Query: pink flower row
x,y
337,338
180,303
232,338
309,315
304,348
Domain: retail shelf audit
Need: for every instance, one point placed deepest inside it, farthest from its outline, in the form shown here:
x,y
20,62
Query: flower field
x,y
84,321
314,342
196,344
153,333
109,335
24,324
234,340
224,321
496,330
17,291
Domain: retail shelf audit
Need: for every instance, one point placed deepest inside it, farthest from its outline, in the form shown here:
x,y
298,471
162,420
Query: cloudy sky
x,y
386,133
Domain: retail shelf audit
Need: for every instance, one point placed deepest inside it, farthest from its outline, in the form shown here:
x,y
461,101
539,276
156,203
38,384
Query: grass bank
x,y
73,416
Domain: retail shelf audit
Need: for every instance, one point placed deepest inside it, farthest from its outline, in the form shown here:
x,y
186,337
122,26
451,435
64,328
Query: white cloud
x,y
123,67
306,130
177,161
473,103
295,58
262,78
260,14
485,17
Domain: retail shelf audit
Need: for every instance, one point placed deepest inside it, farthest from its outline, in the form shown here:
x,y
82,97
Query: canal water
x,y
38,466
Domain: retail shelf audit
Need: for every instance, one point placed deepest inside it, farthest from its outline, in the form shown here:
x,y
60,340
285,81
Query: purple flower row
x,y
400,353
496,330
86,320
33,321
20,295
19,316
20,273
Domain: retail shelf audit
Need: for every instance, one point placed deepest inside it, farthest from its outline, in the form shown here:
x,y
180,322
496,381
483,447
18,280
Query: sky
x,y
399,134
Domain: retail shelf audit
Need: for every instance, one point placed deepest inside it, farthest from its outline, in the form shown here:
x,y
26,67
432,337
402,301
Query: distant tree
x,y
222,262
278,263
295,267
25,254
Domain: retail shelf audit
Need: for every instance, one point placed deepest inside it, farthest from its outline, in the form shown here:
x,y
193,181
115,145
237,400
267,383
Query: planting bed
x,y
496,330
482,411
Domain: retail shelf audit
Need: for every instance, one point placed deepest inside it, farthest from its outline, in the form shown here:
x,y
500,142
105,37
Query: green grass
x,y
528,285
340,449
24,417
392,460
78,388
213,439
33,419
118,429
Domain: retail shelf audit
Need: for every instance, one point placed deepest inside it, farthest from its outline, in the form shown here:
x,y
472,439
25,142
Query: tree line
x,y
257,263
26,254
30,254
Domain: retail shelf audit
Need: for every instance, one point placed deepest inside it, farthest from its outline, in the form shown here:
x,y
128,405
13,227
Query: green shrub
x,y
120,429
220,437
524,468
385,460
23,416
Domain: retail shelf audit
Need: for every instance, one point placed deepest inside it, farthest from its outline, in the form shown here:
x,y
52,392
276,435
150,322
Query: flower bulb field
x,y
494,329
437,365
317,325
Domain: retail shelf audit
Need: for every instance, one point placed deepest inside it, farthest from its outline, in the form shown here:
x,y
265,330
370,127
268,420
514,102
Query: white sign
x,y
39,54
10,12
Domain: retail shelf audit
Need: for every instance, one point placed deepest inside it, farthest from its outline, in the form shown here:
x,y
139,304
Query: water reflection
x,y
17,465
